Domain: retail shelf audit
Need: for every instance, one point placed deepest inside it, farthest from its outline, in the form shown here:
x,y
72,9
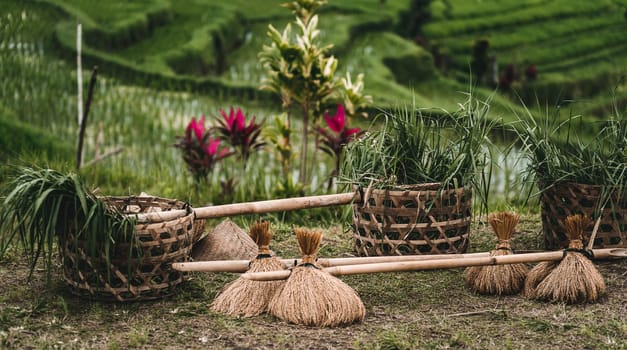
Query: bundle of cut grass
x,y
575,279
247,298
499,279
43,206
313,297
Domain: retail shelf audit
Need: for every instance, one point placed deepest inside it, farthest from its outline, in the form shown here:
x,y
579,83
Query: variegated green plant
x,y
302,72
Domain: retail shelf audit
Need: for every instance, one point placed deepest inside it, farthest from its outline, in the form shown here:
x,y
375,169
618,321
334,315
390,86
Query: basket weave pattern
x,y
420,219
147,273
564,199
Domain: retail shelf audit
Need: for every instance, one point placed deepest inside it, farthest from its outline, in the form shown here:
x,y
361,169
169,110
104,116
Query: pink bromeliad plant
x,y
244,138
336,136
201,151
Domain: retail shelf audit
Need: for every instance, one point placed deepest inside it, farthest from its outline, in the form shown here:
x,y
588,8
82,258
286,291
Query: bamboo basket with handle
x,y
138,270
413,220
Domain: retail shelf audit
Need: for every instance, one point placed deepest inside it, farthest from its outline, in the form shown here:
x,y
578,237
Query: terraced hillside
x,y
579,48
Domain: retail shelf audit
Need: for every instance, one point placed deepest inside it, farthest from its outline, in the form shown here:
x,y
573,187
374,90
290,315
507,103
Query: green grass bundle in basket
x,y
417,175
105,255
579,172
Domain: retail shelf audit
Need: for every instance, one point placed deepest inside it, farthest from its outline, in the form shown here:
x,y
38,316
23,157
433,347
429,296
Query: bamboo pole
x,y
241,266
269,206
439,264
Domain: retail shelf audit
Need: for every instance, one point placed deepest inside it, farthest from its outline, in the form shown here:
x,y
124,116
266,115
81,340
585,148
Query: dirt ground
x,y
415,310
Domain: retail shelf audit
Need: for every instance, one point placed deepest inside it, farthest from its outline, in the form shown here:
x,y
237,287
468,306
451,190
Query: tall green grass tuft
x,y
42,206
409,147
558,153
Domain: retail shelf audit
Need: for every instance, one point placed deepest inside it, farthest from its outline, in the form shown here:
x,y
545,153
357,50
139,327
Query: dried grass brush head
x,y
499,279
313,297
536,275
244,297
575,279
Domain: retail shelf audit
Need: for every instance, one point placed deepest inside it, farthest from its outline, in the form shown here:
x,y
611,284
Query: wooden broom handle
x,y
438,264
269,206
240,266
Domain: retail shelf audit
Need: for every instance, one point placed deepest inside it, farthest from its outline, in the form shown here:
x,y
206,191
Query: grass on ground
x,y
417,310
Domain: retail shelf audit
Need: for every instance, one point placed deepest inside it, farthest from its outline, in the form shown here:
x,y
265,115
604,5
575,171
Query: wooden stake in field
x,y
244,297
575,279
499,279
313,297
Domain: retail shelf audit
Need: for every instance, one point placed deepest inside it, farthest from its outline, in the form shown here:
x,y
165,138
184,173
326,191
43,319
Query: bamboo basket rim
x,y
424,186
544,185
177,204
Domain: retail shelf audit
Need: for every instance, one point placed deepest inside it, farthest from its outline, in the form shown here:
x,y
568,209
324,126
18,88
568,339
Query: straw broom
x,y
313,297
244,297
500,279
539,272
575,280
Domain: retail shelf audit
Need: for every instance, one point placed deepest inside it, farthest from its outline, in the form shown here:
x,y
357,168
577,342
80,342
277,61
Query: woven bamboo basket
x,y
414,220
141,273
563,199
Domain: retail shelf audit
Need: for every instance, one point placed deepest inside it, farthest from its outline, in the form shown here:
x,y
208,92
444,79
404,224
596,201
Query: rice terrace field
x,y
498,104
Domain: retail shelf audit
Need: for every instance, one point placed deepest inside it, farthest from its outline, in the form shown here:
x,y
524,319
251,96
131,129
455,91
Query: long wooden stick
x,y
83,124
269,206
240,266
438,264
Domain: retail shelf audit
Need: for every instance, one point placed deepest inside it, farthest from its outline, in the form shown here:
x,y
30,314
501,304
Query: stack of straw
x,y
312,296
244,297
499,279
574,279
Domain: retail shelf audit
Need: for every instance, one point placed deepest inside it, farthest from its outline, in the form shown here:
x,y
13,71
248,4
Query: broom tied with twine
x,y
311,296
247,298
575,279
499,279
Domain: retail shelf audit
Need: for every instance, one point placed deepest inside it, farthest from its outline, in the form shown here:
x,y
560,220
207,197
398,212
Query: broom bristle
x,y
260,233
244,297
500,279
536,275
575,279
575,225
313,297
308,242
504,224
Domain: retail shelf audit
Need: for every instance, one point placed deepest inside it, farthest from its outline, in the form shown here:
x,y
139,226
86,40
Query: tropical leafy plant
x,y
201,150
302,71
42,206
408,147
244,138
